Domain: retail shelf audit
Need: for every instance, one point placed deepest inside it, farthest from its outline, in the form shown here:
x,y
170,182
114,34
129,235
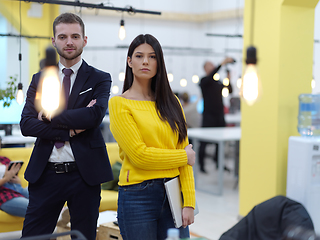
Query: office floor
x,y
216,213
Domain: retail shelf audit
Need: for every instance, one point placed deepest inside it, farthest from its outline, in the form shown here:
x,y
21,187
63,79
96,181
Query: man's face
x,y
69,41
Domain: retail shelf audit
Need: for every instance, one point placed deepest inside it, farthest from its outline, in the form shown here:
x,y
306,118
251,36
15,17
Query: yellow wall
x,y
282,32
31,26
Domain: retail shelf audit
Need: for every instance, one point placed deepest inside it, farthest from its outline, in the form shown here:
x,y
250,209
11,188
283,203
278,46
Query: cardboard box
x,y
109,231
67,228
105,222
61,230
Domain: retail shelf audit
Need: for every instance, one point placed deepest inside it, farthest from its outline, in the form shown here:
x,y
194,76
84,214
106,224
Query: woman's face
x,y
143,62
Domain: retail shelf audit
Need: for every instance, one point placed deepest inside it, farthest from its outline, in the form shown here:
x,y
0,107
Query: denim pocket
x,y
136,187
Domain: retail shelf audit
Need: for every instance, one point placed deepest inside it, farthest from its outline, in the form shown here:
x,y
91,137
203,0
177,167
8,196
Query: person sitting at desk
x,y
193,118
14,198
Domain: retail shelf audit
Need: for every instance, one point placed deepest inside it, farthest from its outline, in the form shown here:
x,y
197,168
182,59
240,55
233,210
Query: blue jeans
x,y
16,206
144,211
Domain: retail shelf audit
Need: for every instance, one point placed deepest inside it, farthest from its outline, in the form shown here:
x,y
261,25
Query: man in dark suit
x,y
213,109
69,160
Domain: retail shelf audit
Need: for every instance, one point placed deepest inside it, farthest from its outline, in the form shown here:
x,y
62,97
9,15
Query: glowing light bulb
x,y
121,76
251,86
226,81
50,89
49,99
225,92
183,82
115,89
20,96
239,82
313,83
195,78
170,77
216,76
122,30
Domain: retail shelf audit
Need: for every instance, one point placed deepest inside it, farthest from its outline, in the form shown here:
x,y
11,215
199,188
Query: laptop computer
x,y
175,201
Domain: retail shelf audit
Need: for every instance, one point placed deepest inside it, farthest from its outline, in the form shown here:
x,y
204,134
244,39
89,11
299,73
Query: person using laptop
x,y
148,123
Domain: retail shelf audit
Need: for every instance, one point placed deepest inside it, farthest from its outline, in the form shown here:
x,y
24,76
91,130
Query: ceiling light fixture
x,y
251,85
129,9
122,30
170,77
195,78
20,95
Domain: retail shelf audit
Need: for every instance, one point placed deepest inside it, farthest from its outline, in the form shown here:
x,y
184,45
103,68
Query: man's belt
x,y
62,167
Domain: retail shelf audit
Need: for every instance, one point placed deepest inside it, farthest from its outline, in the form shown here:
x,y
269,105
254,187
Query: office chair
x,y
270,220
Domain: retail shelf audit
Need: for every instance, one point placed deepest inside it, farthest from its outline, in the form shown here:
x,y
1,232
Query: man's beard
x,y
67,57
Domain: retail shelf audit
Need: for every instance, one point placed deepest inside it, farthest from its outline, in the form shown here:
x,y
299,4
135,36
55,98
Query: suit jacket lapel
x,y
82,77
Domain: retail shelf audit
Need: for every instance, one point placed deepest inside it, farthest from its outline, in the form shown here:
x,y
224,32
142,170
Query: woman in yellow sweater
x,y
148,123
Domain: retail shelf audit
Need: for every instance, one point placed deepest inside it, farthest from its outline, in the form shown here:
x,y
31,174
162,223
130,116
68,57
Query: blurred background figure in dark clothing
x,y
213,108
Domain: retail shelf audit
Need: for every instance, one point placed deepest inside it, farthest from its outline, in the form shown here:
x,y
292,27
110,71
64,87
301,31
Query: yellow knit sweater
x,y
148,147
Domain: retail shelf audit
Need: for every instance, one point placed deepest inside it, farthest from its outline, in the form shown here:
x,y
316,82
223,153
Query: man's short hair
x,y
68,18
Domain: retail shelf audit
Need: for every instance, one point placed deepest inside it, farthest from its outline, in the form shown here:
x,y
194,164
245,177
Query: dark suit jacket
x,y
213,109
88,147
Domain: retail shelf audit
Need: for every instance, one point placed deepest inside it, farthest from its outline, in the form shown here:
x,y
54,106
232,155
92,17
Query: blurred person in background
x,y
213,108
193,117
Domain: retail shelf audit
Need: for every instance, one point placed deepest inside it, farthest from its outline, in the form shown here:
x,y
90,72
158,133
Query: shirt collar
x,y
74,68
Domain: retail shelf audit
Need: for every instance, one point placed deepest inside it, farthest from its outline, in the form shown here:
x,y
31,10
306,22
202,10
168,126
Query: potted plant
x,y
6,97
8,94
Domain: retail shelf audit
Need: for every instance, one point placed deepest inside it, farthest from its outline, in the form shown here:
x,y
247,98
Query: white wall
x,y
9,56
316,50
102,32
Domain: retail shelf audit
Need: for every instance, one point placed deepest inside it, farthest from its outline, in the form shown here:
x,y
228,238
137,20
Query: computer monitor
x,y
10,115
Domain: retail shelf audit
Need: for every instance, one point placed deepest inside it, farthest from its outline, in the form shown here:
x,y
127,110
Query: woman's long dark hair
x,y
167,104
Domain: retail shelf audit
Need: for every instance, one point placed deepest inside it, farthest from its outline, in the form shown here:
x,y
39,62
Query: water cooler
x,y
303,175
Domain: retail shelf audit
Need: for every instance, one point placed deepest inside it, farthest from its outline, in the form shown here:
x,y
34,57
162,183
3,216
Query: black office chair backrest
x,y
76,235
269,220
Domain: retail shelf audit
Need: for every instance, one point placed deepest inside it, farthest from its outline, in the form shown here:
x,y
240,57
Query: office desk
x,y
233,118
214,135
16,139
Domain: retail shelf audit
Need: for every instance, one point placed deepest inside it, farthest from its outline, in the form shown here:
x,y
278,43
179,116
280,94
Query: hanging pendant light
x,y
122,76
225,92
195,78
20,96
226,81
122,30
115,89
183,82
216,77
313,83
239,82
48,98
251,86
